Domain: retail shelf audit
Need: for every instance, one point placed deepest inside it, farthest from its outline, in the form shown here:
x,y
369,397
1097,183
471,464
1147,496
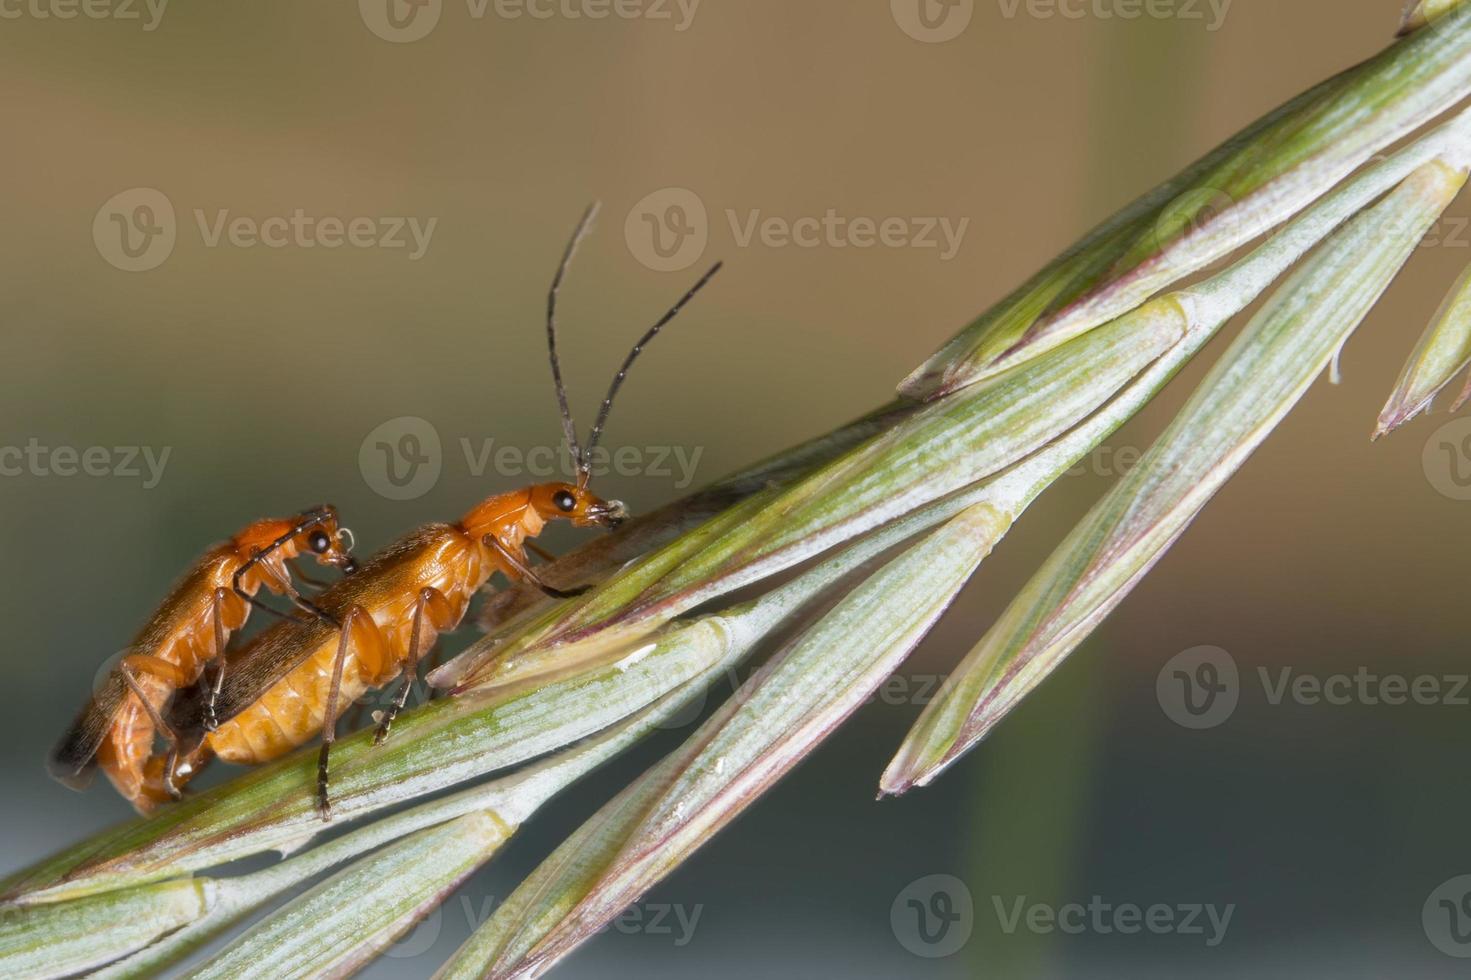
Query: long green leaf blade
x,y
1260,378
1267,173
342,924
58,941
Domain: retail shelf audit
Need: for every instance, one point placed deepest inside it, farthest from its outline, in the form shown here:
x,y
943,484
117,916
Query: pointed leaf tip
x,y
1268,172
1442,352
1424,13
1279,354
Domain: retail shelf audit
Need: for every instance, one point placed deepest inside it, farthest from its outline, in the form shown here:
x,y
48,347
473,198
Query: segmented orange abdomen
x,y
292,710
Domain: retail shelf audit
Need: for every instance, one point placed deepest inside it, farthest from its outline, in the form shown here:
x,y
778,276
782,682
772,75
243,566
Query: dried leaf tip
x,y
1443,352
1424,13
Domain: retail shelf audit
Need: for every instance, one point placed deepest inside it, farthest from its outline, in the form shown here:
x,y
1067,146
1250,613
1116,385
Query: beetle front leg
x,y
517,565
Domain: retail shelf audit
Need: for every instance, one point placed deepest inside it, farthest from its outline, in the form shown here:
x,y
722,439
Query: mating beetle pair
x,y
287,684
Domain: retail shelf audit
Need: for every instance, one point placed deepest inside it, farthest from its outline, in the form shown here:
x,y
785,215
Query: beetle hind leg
x,y
360,635
440,614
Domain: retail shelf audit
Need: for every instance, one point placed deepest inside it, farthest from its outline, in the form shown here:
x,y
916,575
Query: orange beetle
x,y
116,730
288,685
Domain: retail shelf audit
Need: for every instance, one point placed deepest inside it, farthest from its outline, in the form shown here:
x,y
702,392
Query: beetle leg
x,y
315,583
141,663
517,564
278,579
361,634
431,605
284,586
222,635
307,606
540,552
161,776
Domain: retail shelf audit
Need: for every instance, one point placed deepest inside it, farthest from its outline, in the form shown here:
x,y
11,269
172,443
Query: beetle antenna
x,y
597,429
569,428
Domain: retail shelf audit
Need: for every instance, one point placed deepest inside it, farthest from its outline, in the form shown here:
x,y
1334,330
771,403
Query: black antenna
x,y
597,429
569,428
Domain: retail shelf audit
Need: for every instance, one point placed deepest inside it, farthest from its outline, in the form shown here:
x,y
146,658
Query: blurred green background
x,y
262,371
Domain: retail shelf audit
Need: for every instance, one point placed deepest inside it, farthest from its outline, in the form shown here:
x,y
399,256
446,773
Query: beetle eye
x,y
319,541
565,501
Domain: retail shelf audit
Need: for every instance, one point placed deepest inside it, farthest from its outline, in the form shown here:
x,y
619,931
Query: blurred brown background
x,y
263,370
